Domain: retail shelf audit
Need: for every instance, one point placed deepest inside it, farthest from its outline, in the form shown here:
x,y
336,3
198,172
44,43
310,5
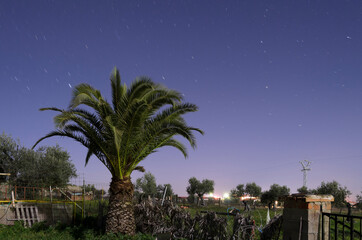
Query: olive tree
x,y
199,188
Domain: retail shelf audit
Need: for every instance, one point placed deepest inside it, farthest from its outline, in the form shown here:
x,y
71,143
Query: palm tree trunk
x,y
120,217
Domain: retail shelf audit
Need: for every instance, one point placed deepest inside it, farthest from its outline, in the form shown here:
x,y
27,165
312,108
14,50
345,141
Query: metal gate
x,y
342,226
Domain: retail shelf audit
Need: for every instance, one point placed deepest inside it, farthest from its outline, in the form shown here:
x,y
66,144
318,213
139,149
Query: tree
x,y
161,189
250,188
253,189
199,188
191,189
206,186
10,155
140,120
359,201
146,185
48,166
272,195
303,190
333,188
238,192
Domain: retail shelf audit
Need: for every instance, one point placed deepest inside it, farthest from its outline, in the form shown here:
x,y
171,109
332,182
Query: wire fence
x,y
78,200
69,193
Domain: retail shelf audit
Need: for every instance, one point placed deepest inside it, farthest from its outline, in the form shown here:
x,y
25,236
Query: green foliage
x,y
199,188
253,189
140,120
161,189
238,191
10,155
333,188
304,190
48,166
274,193
60,232
146,185
359,201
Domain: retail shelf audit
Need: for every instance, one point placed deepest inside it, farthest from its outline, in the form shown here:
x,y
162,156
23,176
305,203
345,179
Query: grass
x,y
258,215
60,232
88,230
357,226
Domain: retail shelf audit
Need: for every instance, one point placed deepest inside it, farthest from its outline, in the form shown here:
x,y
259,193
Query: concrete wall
x,y
302,215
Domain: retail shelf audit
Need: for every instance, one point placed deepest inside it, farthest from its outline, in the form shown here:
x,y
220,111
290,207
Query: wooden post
x,y
12,198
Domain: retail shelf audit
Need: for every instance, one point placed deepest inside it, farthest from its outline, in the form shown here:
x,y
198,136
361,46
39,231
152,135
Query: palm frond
x,y
141,119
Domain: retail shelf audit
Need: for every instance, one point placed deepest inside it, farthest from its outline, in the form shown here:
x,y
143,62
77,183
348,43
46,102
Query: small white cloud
x,y
69,85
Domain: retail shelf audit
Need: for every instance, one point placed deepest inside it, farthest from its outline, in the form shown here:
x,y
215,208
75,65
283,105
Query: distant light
x,y
226,195
211,194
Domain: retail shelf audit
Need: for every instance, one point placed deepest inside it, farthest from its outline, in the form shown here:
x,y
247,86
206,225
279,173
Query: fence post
x,y
51,203
83,199
74,211
352,227
309,208
323,226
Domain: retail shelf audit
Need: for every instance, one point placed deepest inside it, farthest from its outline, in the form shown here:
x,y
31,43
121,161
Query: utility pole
x,y
305,165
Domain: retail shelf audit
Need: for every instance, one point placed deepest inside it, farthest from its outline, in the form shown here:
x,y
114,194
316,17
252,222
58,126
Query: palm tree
x,y
141,119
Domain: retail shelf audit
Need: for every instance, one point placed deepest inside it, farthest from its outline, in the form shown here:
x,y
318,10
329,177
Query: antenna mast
x,y
305,165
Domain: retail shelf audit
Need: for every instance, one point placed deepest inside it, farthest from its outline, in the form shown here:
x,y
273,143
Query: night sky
x,y
276,82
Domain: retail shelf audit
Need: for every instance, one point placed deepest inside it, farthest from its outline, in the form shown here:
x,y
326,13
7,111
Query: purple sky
x,y
277,82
